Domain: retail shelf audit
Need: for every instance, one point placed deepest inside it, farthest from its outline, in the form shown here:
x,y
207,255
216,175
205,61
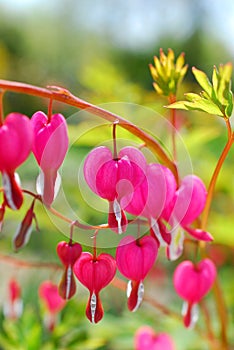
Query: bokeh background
x,y
100,51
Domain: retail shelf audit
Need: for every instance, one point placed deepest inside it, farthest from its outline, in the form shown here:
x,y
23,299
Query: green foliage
x,y
216,97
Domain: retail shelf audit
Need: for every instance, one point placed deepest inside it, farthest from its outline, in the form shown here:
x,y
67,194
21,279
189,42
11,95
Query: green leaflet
x,y
216,97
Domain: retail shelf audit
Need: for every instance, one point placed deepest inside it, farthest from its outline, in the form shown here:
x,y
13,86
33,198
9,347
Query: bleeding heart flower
x,y
95,273
134,259
113,179
24,230
49,148
13,307
150,199
68,254
48,292
187,205
192,282
146,339
16,139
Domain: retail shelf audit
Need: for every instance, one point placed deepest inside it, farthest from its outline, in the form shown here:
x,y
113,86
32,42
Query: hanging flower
x,y
49,148
147,339
114,179
192,282
13,306
16,139
68,254
150,199
134,259
187,205
24,230
53,303
95,273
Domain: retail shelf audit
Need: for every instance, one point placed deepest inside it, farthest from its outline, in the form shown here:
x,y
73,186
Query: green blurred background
x,y
100,51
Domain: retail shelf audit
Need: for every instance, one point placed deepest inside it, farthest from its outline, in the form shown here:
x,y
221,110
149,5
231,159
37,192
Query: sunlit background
x,y
100,51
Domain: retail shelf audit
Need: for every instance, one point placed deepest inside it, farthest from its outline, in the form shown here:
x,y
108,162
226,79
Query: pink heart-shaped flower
x,y
69,252
95,273
135,258
192,282
147,339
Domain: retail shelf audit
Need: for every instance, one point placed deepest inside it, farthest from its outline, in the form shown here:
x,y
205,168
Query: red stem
x,y
64,96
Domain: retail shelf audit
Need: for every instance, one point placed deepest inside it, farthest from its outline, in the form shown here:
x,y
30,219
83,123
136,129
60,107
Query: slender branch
x,y
172,99
214,180
220,302
26,264
64,96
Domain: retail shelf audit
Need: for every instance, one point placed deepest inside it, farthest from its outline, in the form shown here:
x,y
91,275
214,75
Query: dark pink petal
x,y
199,234
191,199
135,258
154,194
95,159
16,137
193,282
95,274
50,140
68,252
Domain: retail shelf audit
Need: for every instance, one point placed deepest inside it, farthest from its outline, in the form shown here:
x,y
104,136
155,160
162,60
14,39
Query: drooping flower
x,y
113,179
192,282
147,339
187,205
95,273
134,258
150,199
68,254
49,148
53,303
24,230
13,306
16,138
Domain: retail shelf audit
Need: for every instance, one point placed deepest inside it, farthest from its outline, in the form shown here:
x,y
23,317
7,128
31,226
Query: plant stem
x,y
220,302
64,96
115,154
172,99
214,180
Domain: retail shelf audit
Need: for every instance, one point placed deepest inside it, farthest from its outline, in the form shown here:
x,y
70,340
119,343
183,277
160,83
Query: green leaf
x,y
179,105
229,108
202,80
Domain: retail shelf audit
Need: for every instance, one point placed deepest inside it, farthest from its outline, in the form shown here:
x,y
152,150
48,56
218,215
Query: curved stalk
x,y
64,96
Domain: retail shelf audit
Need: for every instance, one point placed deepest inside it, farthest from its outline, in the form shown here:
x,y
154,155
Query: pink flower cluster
x,y
48,140
148,192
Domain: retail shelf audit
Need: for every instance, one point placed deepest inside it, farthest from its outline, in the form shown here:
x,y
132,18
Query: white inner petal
x,y
118,215
140,295
40,184
155,228
177,243
129,288
93,306
68,282
8,189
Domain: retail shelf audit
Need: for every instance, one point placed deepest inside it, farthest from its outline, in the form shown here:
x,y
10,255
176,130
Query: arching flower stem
x,y
64,96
